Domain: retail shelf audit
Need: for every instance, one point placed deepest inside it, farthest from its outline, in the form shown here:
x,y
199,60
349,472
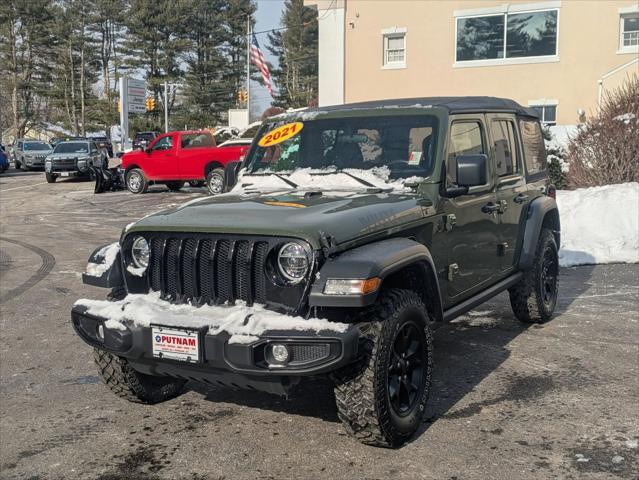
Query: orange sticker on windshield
x,y
280,134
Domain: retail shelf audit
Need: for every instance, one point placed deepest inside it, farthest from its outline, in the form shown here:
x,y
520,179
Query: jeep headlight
x,y
293,262
140,252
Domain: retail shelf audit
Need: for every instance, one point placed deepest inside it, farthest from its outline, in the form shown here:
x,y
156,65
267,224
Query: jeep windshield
x,y
72,147
367,151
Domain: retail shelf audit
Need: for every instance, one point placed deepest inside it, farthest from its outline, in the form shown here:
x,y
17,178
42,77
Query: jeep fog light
x,y
279,352
340,286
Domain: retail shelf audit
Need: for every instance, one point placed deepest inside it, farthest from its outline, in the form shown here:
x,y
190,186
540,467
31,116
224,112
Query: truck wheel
x,y
132,385
51,178
175,186
215,181
534,297
381,400
135,181
17,165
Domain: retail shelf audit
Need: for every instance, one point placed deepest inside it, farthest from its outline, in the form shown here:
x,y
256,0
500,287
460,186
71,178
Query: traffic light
x,y
242,96
150,104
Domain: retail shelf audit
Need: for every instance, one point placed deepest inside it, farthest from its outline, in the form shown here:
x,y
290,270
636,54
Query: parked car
x,y
4,160
74,159
142,139
178,157
352,234
30,154
104,143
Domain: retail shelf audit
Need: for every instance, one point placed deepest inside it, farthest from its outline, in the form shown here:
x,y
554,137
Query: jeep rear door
x,y
506,155
471,239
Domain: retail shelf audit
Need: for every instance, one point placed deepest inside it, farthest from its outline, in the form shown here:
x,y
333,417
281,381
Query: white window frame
x,y
542,103
393,32
505,10
624,12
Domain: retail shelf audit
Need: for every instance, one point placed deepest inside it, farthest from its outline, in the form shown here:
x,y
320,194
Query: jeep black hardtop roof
x,y
452,104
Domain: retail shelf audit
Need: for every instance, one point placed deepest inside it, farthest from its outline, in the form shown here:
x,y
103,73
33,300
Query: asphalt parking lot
x,y
509,401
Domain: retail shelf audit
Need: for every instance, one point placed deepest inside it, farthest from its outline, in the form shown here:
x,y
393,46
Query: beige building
x,y
558,56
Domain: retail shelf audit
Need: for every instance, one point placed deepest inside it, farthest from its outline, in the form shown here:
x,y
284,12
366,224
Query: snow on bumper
x,y
235,338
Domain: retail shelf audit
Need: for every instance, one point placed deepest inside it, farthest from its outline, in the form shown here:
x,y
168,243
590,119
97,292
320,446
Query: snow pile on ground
x,y
599,225
108,254
242,322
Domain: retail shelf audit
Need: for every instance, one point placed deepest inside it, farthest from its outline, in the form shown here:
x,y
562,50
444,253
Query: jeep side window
x,y
505,147
533,143
465,139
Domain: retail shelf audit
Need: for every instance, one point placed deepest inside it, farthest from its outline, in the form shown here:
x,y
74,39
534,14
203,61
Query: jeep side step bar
x,y
481,297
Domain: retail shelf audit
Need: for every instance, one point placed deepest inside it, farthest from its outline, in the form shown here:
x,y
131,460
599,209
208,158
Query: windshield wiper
x,y
360,180
284,179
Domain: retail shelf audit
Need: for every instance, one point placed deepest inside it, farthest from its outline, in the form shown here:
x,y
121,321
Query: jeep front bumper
x,y
247,365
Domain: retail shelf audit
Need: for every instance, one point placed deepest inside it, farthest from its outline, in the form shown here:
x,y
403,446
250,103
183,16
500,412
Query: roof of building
x,y
452,104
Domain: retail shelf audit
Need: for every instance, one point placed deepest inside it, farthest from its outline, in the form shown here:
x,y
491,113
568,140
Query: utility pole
x,y
248,68
166,106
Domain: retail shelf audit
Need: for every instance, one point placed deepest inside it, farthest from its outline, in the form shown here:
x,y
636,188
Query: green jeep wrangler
x,y
352,232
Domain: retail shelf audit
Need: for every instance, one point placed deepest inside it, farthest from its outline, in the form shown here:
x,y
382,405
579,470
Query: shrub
x,y
556,157
606,148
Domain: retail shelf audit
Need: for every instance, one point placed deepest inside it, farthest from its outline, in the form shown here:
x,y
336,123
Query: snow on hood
x,y
321,179
242,322
108,254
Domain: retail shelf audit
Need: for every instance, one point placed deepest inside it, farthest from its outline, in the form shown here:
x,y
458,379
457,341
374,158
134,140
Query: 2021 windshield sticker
x,y
280,134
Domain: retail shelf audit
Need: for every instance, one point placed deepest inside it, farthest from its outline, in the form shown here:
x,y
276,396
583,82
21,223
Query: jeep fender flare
x,y
542,211
380,259
112,276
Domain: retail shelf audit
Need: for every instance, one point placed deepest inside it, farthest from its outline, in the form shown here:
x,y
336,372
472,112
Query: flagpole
x,y
248,68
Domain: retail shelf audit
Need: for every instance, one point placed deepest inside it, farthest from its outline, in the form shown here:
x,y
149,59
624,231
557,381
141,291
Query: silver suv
x,y
73,159
29,154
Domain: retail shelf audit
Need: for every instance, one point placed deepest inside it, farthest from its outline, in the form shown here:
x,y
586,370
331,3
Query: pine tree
x,y
296,50
25,40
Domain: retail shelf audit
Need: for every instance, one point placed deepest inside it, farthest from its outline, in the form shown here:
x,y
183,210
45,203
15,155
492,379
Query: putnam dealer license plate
x,y
176,344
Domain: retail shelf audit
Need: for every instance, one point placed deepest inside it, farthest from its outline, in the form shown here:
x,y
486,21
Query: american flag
x,y
258,60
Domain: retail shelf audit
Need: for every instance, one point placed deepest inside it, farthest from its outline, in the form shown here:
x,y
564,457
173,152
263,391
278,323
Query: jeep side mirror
x,y
471,170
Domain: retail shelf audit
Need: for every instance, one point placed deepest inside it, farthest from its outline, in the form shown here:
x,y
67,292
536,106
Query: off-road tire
x,y
532,299
215,181
362,389
51,178
134,386
175,186
143,183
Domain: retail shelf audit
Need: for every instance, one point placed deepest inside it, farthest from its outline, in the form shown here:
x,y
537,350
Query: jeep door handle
x,y
490,208
521,198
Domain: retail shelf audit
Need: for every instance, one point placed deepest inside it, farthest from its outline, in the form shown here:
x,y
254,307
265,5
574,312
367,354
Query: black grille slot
x,y
309,352
260,250
207,269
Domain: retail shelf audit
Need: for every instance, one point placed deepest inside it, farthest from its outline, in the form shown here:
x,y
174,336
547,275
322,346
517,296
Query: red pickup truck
x,y
177,157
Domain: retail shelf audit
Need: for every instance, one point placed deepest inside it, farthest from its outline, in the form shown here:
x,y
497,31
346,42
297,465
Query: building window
x,y
629,31
507,36
547,113
395,50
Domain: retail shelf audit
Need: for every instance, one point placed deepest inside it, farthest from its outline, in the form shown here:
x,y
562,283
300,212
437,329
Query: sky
x,y
267,17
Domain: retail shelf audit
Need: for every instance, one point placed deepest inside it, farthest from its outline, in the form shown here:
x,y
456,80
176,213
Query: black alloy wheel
x,y
406,371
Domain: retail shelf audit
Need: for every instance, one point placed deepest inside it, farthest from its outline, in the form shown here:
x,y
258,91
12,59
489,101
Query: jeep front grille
x,y
208,269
